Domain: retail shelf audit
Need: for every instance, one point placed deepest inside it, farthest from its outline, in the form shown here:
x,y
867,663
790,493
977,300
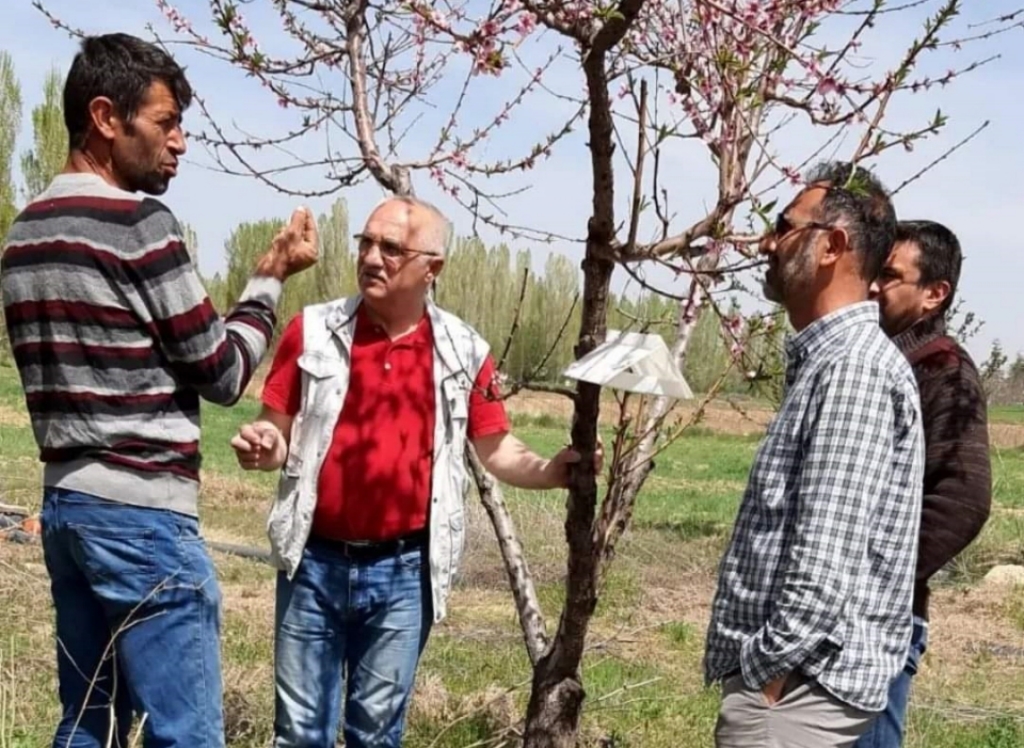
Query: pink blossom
x,y
526,24
827,85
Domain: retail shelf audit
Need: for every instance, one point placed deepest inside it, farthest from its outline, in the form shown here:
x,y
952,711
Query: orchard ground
x,y
642,671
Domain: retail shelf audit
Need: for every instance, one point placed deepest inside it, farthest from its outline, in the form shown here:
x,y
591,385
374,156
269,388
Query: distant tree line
x,y
481,284
39,163
484,286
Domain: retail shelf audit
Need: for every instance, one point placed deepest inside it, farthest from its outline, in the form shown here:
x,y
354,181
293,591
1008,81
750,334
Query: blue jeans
x,y
137,624
367,618
886,731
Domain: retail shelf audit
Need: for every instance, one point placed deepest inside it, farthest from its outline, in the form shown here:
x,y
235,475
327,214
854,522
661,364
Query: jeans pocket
x,y
118,561
411,560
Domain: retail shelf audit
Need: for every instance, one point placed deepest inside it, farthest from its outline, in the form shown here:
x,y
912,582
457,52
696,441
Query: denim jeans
x,y
365,619
137,624
886,731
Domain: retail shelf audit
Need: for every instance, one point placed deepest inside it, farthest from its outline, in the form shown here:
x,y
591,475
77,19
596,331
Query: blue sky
x,y
977,191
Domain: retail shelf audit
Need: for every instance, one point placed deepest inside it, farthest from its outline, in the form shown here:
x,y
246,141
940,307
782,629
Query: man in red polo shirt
x,y
366,411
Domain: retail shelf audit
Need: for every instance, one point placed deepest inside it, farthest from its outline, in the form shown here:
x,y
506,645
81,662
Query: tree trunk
x,y
556,704
556,699
557,694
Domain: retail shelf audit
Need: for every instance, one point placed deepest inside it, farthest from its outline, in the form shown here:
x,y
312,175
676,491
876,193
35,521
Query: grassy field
x,y
1007,414
642,672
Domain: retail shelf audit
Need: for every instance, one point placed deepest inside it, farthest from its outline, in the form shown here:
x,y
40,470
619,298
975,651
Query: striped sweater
x,y
116,341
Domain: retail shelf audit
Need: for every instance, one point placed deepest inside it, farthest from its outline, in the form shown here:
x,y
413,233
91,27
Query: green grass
x,y
1006,414
642,674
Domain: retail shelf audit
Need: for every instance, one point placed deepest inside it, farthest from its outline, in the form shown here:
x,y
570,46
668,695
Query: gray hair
x,y
856,196
441,233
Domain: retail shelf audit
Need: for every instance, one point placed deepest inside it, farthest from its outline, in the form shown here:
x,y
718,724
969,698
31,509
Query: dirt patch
x,y
975,645
720,416
16,417
723,417
232,491
1006,435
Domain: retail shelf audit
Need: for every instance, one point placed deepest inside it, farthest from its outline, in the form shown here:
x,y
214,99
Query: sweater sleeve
x,y
214,355
958,473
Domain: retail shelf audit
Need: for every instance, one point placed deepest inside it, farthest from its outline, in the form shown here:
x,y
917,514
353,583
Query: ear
x,y
104,117
436,265
838,244
935,295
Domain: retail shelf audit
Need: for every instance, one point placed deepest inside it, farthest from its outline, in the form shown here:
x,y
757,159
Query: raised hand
x,y
299,241
295,248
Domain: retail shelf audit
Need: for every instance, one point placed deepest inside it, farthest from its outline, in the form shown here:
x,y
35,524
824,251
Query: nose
x,y
766,246
176,142
874,289
371,257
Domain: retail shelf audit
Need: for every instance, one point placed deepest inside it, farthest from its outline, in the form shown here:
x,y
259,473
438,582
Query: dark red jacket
x,y
958,471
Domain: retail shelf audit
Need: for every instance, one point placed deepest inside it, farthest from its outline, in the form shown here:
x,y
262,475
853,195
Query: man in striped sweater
x,y
116,341
914,292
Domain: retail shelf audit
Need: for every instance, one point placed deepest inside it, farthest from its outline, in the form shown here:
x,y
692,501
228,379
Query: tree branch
x,y
531,619
395,180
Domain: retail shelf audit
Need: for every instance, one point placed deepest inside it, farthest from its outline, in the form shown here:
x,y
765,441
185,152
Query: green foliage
x,y
498,294
333,276
50,138
10,123
188,234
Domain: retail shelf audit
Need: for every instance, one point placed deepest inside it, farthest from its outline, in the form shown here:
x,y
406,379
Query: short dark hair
x,y
858,197
939,258
120,67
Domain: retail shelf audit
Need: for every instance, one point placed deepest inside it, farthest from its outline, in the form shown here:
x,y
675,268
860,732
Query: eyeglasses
x,y
783,226
389,250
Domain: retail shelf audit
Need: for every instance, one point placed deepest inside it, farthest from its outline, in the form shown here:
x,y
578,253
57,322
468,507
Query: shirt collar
x,y
920,333
367,330
823,331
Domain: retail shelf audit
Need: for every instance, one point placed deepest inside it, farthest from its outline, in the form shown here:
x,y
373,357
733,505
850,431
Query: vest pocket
x,y
319,367
284,521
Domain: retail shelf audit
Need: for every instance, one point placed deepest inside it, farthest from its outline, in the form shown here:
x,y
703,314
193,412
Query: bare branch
x,y
531,618
515,320
946,154
394,179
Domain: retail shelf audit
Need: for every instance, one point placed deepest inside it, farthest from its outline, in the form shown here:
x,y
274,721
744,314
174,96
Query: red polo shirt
x,y
375,480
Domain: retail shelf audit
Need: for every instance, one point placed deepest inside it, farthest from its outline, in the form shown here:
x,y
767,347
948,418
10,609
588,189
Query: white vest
x,y
459,354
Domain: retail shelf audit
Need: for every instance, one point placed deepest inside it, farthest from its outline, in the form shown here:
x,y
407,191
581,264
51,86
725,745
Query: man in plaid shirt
x,y
812,616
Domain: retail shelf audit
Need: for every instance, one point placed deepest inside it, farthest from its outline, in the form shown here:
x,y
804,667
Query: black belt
x,y
365,550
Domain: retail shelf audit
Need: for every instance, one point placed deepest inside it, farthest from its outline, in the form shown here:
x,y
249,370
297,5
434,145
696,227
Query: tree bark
x,y
556,699
531,619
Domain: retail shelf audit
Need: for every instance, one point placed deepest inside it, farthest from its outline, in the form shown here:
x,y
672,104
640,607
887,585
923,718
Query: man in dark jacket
x,y
914,293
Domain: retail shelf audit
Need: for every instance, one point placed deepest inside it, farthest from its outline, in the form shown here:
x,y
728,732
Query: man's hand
x,y
295,248
772,690
260,446
558,466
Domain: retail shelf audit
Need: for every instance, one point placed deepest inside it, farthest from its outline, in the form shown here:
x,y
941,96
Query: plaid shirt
x,y
819,573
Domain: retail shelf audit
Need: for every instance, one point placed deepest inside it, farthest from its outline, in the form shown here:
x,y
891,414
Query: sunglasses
x,y
389,250
784,226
